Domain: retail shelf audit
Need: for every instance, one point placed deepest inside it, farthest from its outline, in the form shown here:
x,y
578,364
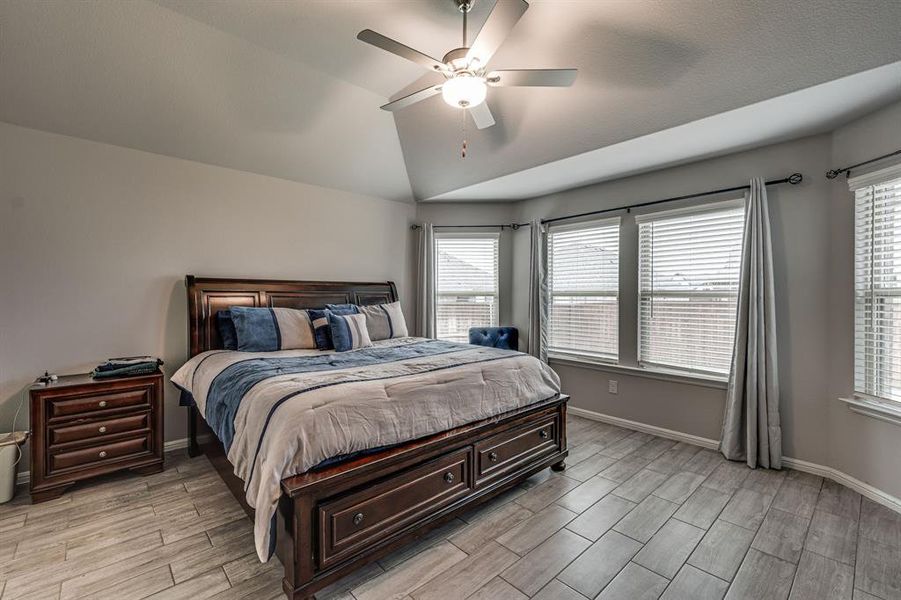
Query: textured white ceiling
x,y
816,109
135,74
283,87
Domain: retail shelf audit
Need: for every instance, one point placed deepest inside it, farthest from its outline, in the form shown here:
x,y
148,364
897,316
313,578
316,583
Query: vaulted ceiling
x,y
283,88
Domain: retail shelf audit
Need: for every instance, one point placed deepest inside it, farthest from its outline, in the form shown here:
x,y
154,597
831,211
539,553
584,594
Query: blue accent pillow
x,y
227,332
343,309
321,330
269,329
348,331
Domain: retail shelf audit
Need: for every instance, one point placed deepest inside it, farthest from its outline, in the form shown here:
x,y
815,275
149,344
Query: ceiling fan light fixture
x,y
464,90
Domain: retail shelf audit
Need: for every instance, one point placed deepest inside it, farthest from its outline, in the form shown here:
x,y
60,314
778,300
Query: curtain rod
x,y
513,226
793,179
847,170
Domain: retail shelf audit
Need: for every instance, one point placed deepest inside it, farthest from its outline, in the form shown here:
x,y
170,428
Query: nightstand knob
x,y
102,429
103,454
542,434
449,477
102,404
493,457
358,518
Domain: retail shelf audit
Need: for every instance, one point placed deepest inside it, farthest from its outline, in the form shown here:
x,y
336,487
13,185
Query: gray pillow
x,y
384,321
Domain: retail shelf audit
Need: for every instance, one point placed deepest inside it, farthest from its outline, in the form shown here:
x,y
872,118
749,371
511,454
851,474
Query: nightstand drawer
x,y
96,455
63,434
103,401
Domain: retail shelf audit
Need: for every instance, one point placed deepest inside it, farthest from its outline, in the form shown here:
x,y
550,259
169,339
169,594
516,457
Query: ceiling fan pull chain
x,y
463,132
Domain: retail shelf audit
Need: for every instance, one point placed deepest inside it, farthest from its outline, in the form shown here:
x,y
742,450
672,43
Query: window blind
x,y
689,267
583,281
877,290
466,286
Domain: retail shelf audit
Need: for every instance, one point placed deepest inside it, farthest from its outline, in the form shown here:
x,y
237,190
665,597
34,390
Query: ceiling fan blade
x,y
532,77
504,15
412,98
385,43
482,116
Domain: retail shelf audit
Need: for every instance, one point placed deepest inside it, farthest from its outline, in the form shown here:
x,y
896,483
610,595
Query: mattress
x,y
282,413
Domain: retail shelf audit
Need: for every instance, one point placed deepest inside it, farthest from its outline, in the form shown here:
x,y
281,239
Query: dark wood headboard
x,y
208,295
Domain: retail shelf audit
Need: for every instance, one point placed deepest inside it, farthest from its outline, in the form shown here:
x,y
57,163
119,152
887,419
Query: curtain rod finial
x,y
831,174
414,227
795,178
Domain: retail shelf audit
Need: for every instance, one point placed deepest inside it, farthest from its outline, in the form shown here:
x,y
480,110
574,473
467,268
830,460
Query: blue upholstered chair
x,y
495,337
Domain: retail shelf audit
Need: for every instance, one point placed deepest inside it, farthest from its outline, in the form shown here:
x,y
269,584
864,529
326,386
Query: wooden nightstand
x,y
83,427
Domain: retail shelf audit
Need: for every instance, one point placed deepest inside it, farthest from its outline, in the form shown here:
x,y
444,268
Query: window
x,y
877,286
466,284
583,281
688,272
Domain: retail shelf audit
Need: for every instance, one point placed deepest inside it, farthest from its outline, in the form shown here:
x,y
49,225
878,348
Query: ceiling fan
x,y
467,78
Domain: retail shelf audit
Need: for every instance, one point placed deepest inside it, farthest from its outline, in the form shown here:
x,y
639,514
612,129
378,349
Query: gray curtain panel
x,y
538,291
751,429
425,291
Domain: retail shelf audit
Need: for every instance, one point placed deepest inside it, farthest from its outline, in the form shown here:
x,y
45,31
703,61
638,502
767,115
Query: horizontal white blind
x,y
466,284
583,281
689,265
877,290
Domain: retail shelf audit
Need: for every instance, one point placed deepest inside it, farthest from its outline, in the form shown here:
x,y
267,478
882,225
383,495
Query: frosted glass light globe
x,y
464,91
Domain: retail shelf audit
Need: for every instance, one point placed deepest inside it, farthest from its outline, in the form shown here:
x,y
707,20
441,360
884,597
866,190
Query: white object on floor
x,y
10,453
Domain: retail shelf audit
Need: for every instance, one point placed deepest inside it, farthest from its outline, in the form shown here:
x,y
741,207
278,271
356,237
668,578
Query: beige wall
x,y
813,245
95,241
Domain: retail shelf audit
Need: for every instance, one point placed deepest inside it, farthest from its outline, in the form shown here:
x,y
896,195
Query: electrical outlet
x,y
613,386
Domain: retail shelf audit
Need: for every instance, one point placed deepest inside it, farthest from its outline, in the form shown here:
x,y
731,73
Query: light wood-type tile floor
x,y
633,517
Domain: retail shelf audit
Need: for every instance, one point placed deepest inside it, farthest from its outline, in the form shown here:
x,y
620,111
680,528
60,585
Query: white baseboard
x,y
25,476
652,429
862,488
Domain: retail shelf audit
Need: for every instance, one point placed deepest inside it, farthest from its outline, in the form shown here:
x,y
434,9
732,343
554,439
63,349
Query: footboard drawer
x,y
350,522
509,450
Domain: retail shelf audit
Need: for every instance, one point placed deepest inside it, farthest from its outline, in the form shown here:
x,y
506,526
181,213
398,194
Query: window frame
x,y
647,217
576,356
884,408
496,236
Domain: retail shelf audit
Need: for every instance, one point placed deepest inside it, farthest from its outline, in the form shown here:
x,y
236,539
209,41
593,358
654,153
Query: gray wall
x,y
800,223
813,245
95,241
858,445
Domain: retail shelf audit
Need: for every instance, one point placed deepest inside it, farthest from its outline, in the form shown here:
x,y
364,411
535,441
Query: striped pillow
x,y
384,321
348,331
321,331
268,329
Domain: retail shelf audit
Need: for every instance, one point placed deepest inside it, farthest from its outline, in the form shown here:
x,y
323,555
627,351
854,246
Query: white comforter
x,y
287,423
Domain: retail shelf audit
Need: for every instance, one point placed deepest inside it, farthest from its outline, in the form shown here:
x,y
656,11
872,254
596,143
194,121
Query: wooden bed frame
x,y
337,519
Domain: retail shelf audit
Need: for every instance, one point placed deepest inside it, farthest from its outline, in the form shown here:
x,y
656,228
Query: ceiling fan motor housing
x,y
456,59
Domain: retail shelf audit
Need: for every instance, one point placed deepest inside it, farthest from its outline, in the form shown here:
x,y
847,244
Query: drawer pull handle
x,y
449,477
103,454
102,429
102,404
358,518
542,434
493,457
